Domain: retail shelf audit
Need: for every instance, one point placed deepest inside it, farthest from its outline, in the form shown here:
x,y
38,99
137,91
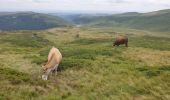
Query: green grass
x,y
159,43
25,40
91,67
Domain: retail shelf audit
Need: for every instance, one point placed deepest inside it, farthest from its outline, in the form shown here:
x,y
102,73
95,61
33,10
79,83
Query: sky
x,y
88,6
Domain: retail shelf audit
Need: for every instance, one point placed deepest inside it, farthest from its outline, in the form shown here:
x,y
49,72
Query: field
x,y
91,69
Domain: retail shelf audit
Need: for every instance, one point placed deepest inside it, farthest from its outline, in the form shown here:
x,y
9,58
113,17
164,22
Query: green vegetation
x,y
91,67
29,21
152,21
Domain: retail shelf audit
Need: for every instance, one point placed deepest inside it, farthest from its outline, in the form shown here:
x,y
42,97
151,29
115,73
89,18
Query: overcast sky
x,y
103,6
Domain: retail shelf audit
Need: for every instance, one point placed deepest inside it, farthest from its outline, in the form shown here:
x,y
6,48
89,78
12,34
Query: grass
x,y
91,68
159,43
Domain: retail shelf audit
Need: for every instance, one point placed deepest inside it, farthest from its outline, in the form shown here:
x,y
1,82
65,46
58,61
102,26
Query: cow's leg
x,y
45,76
54,71
126,44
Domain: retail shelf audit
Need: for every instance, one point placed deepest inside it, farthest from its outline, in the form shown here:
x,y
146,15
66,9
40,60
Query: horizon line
x,y
79,12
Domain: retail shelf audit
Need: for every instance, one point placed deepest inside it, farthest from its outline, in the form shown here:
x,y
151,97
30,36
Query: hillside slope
x,y
29,21
153,21
91,68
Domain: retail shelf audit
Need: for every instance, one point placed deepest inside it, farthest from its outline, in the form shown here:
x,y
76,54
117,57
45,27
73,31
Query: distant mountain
x,y
157,12
7,13
72,16
153,21
29,21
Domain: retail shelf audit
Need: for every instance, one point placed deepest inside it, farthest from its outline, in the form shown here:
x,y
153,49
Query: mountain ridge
x,y
152,21
29,21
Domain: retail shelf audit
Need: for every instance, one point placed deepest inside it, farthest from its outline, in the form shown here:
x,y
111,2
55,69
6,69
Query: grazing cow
x,y
121,40
54,59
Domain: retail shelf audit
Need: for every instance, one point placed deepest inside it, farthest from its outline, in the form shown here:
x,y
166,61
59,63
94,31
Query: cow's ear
x,y
44,68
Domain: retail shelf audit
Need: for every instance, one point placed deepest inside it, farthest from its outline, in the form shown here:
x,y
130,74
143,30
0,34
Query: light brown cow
x,y
54,59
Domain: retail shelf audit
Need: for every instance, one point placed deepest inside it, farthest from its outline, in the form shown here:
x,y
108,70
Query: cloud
x,y
84,5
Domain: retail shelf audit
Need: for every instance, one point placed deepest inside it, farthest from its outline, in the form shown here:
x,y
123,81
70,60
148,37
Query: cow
x,y
54,59
121,40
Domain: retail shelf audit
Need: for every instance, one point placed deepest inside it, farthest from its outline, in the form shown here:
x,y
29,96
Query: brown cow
x,y
121,40
54,59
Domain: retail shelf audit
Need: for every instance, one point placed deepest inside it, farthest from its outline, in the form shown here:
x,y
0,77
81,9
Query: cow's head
x,y
114,43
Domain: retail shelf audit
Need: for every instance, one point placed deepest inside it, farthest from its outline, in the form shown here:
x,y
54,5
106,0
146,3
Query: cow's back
x,y
54,57
54,52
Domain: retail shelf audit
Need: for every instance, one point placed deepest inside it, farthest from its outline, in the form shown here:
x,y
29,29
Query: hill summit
x,y
29,21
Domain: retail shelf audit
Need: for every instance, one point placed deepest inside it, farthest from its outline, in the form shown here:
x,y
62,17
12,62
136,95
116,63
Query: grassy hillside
x,y
153,21
91,68
29,21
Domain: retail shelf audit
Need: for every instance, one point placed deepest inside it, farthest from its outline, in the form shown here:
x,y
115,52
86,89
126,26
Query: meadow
x,y
91,69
